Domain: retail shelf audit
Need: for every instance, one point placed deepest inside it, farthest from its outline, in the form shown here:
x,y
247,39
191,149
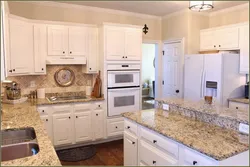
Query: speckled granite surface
x,y
25,115
214,141
215,114
240,100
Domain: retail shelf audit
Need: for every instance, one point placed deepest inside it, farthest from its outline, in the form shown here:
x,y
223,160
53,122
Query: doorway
x,y
173,59
149,54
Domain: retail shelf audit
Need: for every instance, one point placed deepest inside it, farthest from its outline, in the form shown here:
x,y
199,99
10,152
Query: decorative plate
x,y
64,77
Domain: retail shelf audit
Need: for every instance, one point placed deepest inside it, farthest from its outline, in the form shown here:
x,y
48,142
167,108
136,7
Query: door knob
x,y
194,162
154,162
177,91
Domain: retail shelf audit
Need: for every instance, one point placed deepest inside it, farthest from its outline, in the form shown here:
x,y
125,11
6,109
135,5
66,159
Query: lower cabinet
x,y
48,126
130,149
238,106
98,122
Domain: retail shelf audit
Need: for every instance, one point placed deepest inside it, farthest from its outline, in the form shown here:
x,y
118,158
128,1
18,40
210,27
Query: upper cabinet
x,y
122,43
244,49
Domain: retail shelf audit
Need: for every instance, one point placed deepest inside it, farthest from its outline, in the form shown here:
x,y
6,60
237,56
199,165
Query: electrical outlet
x,y
244,128
32,84
165,107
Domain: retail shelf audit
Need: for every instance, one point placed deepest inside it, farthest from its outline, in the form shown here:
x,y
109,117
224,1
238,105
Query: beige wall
x,y
226,18
52,13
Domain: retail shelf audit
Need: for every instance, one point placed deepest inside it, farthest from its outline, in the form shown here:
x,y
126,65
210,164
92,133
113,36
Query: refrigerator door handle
x,y
201,91
204,84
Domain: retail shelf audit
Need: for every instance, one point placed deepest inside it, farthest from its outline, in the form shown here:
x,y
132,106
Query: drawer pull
x,y
154,141
128,127
76,116
96,114
46,119
133,142
116,127
194,162
43,110
154,162
69,117
237,108
99,105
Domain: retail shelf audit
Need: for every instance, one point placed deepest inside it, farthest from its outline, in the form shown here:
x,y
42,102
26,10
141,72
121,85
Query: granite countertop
x,y
214,141
214,109
25,115
240,100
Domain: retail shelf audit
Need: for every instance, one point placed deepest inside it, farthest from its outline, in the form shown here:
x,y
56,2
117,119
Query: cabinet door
x,y
83,130
21,47
40,49
115,41
227,38
244,49
92,59
133,44
98,124
48,126
130,150
78,41
62,129
57,40
207,40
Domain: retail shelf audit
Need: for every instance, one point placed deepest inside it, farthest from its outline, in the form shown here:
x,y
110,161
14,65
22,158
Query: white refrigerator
x,y
214,75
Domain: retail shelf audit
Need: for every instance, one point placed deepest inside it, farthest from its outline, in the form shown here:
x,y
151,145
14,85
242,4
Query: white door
x,y
227,38
83,131
48,126
78,41
21,46
40,48
98,124
244,49
57,40
208,40
130,150
115,43
62,129
172,70
133,44
92,59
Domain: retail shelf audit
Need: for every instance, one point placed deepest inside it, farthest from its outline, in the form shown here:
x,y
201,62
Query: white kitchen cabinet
x,y
97,124
238,106
57,40
207,40
20,47
93,58
130,150
62,128
244,49
48,126
115,126
40,48
82,125
133,44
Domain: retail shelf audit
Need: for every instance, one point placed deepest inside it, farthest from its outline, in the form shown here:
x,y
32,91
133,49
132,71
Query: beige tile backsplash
x,y
48,82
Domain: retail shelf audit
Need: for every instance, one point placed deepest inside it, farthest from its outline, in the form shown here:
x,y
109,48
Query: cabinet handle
x,y
10,70
123,57
214,46
237,108
43,110
76,116
69,117
126,57
70,52
194,162
96,114
133,142
128,127
154,162
99,105
154,141
14,70
46,119
42,69
63,52
116,127
219,45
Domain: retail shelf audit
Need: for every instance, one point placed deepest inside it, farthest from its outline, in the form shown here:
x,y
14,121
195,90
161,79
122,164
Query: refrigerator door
x,y
193,77
213,74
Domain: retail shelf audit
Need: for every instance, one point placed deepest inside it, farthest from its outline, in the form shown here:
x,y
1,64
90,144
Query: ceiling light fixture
x,y
200,5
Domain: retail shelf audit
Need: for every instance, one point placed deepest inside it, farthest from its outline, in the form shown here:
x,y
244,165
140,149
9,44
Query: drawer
x,y
43,110
238,106
115,126
80,107
193,158
161,142
152,156
130,126
98,105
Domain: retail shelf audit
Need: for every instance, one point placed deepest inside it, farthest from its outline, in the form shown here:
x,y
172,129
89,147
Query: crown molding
x,y
186,10
231,9
91,8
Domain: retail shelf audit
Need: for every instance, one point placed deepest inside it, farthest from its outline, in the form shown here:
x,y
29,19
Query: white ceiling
x,y
157,8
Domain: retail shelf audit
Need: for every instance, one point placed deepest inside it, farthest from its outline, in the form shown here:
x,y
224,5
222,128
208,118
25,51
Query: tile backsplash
x,y
48,82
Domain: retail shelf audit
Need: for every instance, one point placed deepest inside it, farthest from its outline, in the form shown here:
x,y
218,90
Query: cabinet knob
x,y
154,141
69,117
123,57
96,114
133,142
70,52
46,119
99,105
90,68
126,57
42,69
219,45
214,46
63,52
237,108
194,162
177,91
10,70
128,127
76,116
116,127
43,110
14,70
154,162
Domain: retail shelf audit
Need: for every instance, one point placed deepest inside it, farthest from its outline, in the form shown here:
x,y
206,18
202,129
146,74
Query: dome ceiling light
x,y
200,5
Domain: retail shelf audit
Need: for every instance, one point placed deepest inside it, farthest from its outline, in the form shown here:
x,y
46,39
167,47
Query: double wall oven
x,y
123,88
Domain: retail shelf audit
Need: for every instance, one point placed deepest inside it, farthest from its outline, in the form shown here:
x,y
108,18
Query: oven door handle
x,y
124,72
123,89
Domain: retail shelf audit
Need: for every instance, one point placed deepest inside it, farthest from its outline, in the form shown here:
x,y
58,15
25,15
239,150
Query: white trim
x,y
230,9
121,25
186,10
91,8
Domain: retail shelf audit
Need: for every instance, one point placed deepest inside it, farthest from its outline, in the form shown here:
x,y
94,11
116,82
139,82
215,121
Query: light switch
x,y
165,107
244,128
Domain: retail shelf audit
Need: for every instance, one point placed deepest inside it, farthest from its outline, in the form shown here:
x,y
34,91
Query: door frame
x,y
158,66
182,42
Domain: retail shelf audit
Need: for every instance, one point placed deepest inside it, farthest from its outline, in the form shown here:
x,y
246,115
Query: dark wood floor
x,y
107,154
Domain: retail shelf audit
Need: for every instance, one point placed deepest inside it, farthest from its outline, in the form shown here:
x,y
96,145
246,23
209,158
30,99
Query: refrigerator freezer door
x,y
193,77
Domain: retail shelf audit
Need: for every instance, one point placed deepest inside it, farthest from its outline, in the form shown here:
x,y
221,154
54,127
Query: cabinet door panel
x,y
57,40
133,44
227,38
21,46
40,49
207,40
98,124
93,51
115,41
78,41
130,150
244,49
48,126
62,129
83,130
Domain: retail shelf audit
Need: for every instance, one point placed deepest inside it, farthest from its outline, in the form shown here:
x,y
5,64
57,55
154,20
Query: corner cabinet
x,y
122,43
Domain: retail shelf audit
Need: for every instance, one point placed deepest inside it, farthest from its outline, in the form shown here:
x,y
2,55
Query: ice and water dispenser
x,y
211,89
